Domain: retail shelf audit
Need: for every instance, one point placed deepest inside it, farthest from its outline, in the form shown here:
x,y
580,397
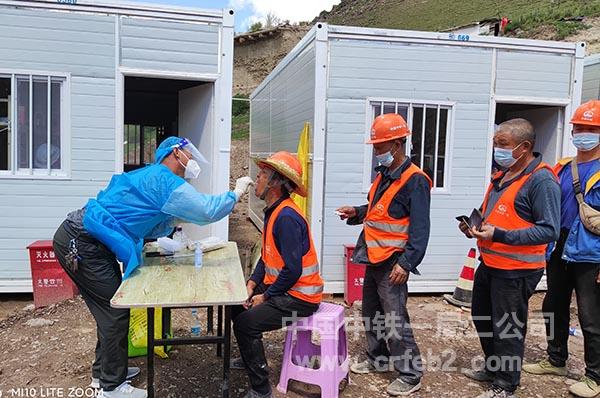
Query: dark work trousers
x,y
387,325
249,325
564,277
499,309
98,276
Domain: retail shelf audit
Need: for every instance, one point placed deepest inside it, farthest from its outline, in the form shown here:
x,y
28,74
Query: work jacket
x,y
581,245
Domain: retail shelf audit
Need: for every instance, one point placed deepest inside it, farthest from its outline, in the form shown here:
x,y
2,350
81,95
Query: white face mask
x,y
192,170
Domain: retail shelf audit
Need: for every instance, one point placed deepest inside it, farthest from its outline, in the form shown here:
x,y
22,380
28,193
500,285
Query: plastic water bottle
x,y
198,257
575,332
195,329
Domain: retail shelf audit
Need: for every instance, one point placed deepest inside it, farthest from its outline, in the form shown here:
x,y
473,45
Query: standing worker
x,y
144,203
521,212
575,262
286,283
392,244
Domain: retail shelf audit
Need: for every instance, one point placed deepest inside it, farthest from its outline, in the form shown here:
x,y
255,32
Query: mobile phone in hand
x,y
464,219
476,219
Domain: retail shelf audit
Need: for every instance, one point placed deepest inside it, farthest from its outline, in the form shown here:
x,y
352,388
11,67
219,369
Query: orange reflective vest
x,y
309,286
504,215
385,235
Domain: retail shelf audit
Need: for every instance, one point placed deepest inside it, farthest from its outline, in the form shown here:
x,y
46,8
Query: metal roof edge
x,y
591,59
452,39
123,8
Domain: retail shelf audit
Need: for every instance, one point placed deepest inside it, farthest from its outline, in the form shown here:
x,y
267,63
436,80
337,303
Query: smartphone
x,y
464,219
476,218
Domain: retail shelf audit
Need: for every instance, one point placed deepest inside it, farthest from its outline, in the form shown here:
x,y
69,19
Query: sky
x,y
250,11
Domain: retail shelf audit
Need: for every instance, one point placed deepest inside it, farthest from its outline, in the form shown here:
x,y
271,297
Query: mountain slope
x,y
435,15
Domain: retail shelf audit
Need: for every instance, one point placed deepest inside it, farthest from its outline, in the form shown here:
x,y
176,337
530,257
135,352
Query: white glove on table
x,y
242,185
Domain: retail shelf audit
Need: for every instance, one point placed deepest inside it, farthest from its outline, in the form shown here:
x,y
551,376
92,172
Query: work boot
x,y
125,390
237,364
132,372
399,387
497,392
478,375
365,367
544,367
253,394
585,388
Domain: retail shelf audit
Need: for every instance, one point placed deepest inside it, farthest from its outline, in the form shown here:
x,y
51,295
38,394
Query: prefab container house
x,y
591,78
89,89
451,88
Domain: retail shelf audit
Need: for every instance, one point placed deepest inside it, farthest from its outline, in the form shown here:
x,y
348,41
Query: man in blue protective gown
x,y
144,203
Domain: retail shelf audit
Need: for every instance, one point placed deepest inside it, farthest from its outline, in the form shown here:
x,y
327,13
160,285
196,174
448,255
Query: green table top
x,y
176,282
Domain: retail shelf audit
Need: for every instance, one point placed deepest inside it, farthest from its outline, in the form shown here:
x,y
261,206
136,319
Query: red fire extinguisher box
x,y
355,277
51,283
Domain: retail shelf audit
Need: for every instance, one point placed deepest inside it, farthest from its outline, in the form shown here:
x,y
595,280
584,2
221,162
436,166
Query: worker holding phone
x,y
521,215
392,244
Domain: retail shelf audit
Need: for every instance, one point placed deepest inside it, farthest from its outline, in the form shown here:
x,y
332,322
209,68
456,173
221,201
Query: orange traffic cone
x,y
464,287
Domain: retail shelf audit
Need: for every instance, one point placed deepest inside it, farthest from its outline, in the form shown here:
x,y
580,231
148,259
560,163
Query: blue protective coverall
x,y
146,203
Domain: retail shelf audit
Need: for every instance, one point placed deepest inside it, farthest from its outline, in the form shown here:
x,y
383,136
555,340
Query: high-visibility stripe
x,y
526,258
308,289
400,243
306,271
387,227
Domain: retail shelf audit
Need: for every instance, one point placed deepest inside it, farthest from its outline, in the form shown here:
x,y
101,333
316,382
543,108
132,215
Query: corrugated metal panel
x,y
53,41
169,46
521,73
280,109
419,72
61,42
591,82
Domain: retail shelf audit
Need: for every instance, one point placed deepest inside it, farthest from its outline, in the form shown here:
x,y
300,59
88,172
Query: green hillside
x,y
435,15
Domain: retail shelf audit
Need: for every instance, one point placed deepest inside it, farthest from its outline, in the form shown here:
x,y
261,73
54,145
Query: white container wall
x,y
451,90
76,80
591,78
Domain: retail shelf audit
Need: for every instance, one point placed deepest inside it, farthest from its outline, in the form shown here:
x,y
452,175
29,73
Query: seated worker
x,y
144,203
286,282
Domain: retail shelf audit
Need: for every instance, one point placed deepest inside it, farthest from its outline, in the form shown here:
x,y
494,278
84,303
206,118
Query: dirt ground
x,y
59,354
55,357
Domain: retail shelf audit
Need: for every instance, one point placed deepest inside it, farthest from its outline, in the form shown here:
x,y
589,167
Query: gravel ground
x,y
48,352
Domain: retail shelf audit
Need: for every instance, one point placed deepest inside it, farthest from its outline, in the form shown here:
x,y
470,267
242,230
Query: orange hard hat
x,y
588,114
387,127
288,166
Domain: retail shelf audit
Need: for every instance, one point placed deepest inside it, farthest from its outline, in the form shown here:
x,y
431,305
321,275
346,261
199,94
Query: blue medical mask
x,y
586,141
386,159
504,157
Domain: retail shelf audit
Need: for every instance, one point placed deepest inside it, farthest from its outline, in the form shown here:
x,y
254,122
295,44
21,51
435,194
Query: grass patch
x,y
240,126
560,17
435,15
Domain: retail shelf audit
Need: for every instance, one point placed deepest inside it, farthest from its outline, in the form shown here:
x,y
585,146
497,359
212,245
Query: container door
x,y
195,123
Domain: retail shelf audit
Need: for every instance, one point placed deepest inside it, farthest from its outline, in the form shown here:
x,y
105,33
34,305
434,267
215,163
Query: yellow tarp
x,y
303,153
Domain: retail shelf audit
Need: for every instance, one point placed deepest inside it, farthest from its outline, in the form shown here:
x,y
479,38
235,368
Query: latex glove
x,y
242,185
